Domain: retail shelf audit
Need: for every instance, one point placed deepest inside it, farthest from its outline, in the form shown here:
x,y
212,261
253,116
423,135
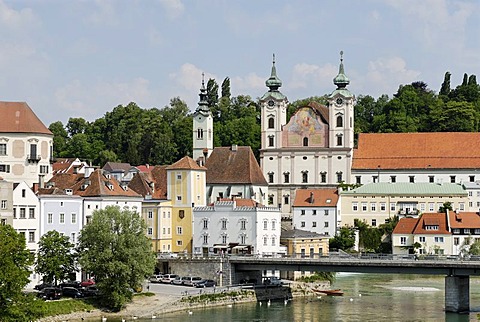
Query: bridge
x,y
457,270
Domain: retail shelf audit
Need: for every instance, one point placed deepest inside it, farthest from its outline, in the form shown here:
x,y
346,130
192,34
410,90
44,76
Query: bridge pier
x,y
457,294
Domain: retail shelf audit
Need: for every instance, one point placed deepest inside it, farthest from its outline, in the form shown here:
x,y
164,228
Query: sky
x,y
82,58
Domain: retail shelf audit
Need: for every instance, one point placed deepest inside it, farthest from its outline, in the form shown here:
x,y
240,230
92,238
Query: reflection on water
x,y
367,297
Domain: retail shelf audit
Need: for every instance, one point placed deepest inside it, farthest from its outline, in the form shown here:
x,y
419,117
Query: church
x,y
313,149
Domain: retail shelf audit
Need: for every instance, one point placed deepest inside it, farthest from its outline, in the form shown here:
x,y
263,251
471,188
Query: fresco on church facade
x,y
305,128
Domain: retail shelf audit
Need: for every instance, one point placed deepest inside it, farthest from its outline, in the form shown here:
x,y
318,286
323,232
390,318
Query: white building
x,y
26,144
315,210
313,149
238,225
26,221
6,202
202,128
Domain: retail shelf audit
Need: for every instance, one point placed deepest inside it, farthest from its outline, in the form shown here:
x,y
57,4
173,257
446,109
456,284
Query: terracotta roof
x,y
185,163
18,117
144,168
432,219
326,197
237,166
143,183
98,183
464,220
405,226
439,150
63,180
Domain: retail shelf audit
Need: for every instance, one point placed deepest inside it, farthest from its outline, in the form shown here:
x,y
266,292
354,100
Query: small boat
x,y
329,292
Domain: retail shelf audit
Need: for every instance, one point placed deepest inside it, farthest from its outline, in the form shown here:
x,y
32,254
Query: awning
x,y
241,247
220,246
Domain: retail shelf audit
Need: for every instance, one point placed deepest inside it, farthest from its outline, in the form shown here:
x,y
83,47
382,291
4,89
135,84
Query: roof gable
x,y
185,163
18,117
327,197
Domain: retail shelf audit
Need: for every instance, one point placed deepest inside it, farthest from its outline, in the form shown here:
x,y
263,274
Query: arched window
x,y
339,121
200,134
271,123
305,177
339,140
305,141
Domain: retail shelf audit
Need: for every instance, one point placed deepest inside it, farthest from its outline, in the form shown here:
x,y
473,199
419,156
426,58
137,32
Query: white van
x,y
155,278
191,280
168,278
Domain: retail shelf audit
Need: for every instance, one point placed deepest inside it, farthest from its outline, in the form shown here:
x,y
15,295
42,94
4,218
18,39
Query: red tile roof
x,y
439,150
326,197
185,163
18,117
432,219
142,183
98,185
405,226
234,166
464,220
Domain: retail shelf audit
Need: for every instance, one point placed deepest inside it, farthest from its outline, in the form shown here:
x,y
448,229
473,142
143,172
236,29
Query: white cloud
x,y
92,100
104,14
312,76
174,8
252,83
10,18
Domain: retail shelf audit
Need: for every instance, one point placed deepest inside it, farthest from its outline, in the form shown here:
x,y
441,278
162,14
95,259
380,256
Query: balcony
x,y
408,212
33,158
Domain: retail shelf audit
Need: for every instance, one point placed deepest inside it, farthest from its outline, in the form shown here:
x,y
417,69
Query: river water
x,y
368,297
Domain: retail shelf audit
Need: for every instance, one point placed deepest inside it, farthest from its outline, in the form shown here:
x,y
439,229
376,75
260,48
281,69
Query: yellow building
x,y
186,188
304,243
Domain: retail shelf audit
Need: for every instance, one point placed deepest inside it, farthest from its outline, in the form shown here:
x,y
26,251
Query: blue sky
x,y
83,58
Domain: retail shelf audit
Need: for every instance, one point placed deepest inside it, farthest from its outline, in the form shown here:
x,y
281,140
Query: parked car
x,y
91,290
72,292
272,280
88,282
41,286
50,293
205,283
177,281
191,280
168,278
75,284
156,278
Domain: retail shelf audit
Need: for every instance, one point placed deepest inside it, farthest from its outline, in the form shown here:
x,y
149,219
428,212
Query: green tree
x,y
60,137
114,248
344,239
212,98
15,261
447,205
76,125
55,258
445,89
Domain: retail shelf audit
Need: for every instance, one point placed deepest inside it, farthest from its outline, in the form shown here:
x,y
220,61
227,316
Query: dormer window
x,y
431,227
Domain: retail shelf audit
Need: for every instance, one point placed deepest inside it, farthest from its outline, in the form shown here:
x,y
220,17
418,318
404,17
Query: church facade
x,y
312,149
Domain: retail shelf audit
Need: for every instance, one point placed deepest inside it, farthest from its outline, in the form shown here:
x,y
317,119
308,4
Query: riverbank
x,y
159,304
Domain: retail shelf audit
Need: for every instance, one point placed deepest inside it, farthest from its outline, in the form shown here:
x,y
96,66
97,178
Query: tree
x,y
55,258
446,206
60,137
445,89
15,261
113,248
226,88
344,239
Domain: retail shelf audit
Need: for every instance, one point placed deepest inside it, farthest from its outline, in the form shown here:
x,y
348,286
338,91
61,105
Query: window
x,y
3,149
302,224
271,123
150,214
62,218
44,169
273,241
286,199
33,151
74,218
304,176
373,206
358,179
4,204
431,179
374,222
403,240
265,225
393,179
314,212
411,179
339,177
224,239
302,212
31,213
421,239
243,224
273,224
438,239
325,212
5,168
205,223
72,238
224,224
364,206
50,218
339,140
456,241
355,206
179,230
24,193
163,230
314,224
14,213
31,237
393,206
339,121
199,134
179,177
452,179
326,224
477,231
270,140
286,177
383,206
270,199
22,213
205,239
323,177
179,243
305,141
265,238
472,178
431,206
466,231
150,231
270,177
179,198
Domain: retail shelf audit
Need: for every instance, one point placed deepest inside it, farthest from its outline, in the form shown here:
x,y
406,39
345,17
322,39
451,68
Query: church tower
x,y
202,127
273,112
341,104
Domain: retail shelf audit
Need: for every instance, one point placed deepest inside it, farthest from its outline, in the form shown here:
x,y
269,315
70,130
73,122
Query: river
x,y
368,297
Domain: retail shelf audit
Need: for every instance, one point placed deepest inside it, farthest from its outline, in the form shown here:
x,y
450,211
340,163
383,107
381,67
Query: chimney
x,y
205,154
41,181
312,200
234,147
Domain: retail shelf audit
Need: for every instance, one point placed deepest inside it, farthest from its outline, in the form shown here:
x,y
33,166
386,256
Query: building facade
x,y
202,128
